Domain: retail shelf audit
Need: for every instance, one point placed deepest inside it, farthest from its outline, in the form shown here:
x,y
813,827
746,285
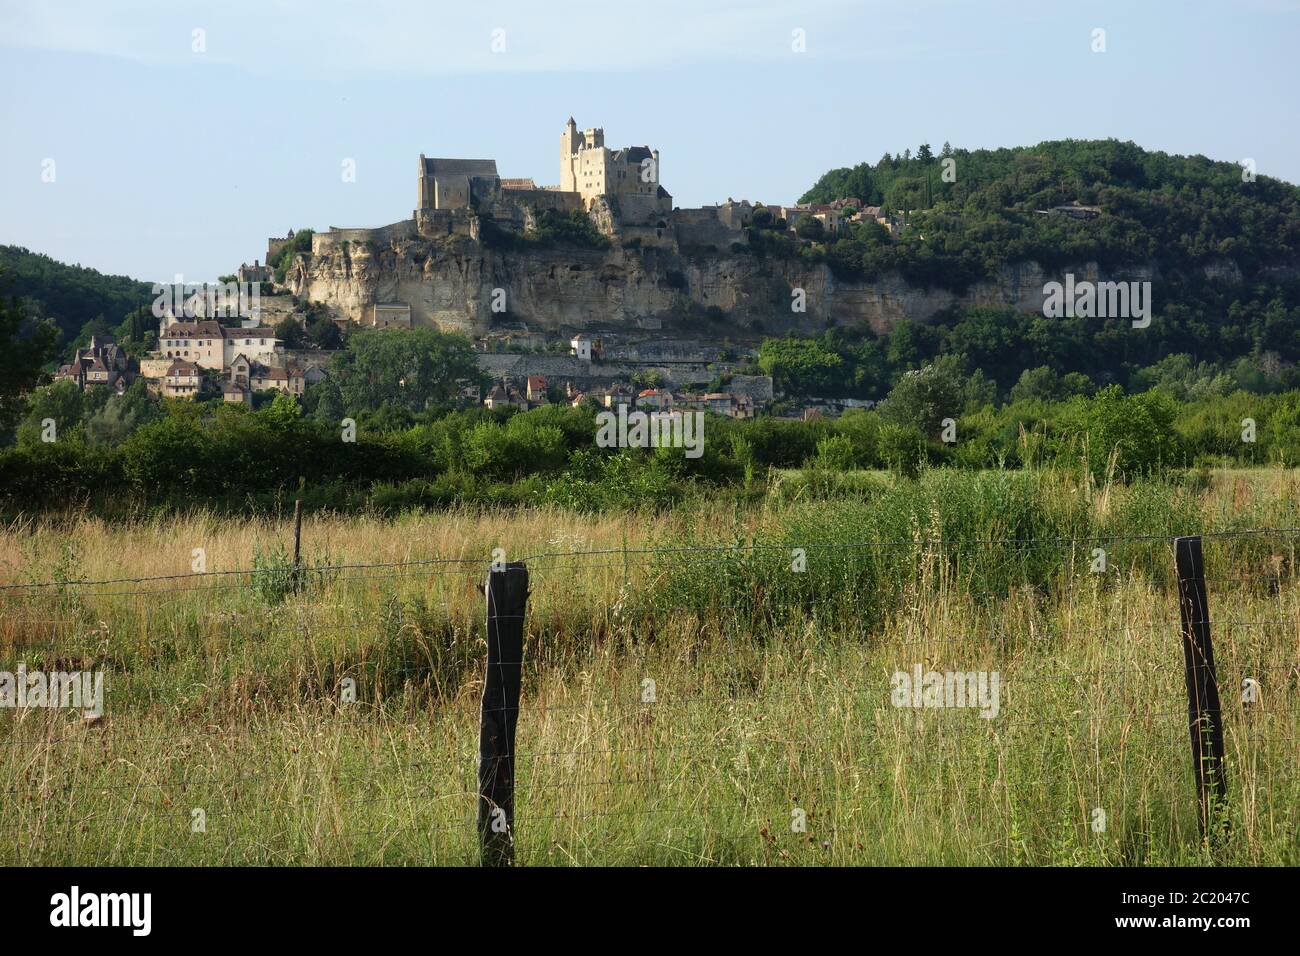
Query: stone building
x,y
389,315
212,345
254,273
629,175
102,362
183,380
457,183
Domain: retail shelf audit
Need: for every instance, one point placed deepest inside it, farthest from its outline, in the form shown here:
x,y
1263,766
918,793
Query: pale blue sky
x,y
172,161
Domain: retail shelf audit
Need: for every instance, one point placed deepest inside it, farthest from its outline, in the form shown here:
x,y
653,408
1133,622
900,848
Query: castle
x,y
460,200
590,172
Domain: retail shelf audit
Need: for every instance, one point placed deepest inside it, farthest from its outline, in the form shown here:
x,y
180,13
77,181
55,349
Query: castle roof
x,y
459,167
633,154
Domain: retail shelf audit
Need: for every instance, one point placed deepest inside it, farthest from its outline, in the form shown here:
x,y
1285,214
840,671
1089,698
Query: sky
x,y
156,139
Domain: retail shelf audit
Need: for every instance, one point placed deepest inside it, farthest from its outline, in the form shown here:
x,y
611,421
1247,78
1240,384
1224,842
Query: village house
x,y
580,346
505,396
288,380
655,399
183,379
102,362
619,394
241,370
210,344
236,393
390,315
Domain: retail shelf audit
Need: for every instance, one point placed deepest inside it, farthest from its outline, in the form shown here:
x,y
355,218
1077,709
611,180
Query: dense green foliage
x,y
1177,211
70,296
552,228
121,454
1249,336
386,376
25,346
301,242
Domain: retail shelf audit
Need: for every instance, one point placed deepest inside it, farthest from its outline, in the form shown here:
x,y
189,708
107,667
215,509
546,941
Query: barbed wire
x,y
625,718
477,563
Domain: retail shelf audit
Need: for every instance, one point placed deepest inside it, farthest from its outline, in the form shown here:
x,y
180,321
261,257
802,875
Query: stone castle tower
x,y
592,170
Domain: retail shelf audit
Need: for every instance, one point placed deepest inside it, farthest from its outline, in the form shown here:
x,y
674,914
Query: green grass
x,y
772,687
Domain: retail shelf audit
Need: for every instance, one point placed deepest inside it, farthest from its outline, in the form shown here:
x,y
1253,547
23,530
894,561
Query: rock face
x,y
451,283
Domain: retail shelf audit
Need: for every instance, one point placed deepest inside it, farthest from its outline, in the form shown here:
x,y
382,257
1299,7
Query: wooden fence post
x,y
297,544
507,599
1204,718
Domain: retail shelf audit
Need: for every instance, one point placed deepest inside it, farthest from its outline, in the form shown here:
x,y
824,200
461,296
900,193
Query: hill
x,y
974,211
69,295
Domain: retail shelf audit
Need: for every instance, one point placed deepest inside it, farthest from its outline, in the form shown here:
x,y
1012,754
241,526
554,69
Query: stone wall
x,y
705,227
323,242
435,223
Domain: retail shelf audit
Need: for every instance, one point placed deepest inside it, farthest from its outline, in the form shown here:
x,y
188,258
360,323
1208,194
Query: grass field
x,y
771,687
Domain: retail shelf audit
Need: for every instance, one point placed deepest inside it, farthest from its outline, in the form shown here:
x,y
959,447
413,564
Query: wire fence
x,y
738,702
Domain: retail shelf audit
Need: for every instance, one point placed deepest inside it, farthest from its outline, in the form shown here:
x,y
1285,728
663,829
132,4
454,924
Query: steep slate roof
x,y
206,329
460,167
633,154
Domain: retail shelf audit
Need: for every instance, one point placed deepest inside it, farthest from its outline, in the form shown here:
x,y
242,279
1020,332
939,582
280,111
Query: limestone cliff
x,y
449,281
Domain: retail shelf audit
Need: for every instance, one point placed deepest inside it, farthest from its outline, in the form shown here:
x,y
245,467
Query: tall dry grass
x,y
771,702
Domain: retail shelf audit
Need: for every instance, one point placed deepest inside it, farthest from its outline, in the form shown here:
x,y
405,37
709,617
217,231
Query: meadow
x,y
707,684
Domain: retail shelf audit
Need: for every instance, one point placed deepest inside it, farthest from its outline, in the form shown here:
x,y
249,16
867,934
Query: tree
x,y
801,366
324,334
122,415
1040,384
288,331
810,227
63,404
923,398
98,326
412,368
1136,432
25,346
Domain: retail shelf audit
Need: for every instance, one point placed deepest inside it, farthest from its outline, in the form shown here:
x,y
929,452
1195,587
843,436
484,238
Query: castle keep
x,y
592,170
617,187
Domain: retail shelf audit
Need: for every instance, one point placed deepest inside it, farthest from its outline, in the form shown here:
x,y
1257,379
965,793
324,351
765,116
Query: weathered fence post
x,y
507,598
297,544
1204,718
